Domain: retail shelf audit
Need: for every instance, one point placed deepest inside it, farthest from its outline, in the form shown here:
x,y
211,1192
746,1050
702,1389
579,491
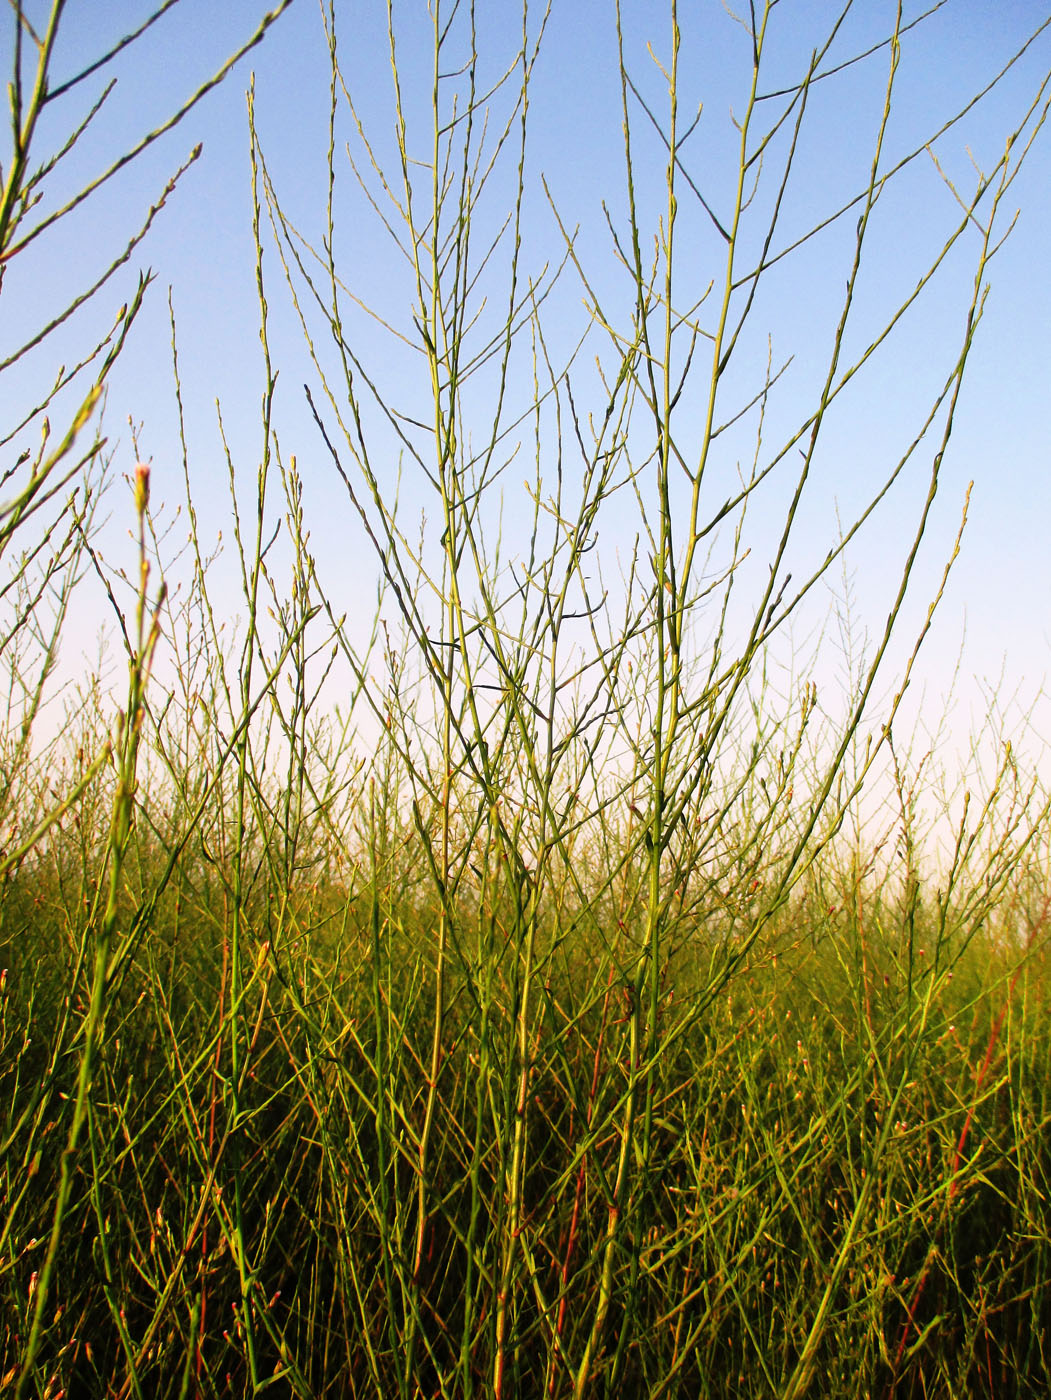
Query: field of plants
x,y
522,981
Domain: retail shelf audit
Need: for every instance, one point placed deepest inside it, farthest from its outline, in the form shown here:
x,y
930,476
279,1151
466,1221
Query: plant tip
x,y
142,487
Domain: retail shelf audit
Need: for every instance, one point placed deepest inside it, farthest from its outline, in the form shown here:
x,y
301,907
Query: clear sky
x,y
201,245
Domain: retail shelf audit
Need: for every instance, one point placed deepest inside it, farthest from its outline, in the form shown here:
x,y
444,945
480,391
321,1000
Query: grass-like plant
x,y
541,1019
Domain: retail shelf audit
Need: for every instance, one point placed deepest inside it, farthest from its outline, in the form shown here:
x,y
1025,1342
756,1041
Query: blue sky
x,y
202,246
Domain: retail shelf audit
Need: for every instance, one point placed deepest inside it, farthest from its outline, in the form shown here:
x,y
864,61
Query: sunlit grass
x,y
822,1120
498,990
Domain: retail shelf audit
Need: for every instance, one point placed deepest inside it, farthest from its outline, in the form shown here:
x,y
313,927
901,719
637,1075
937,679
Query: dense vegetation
x,y
578,1006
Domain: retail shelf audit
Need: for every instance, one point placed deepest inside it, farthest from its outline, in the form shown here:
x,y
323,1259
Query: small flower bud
x,y
142,487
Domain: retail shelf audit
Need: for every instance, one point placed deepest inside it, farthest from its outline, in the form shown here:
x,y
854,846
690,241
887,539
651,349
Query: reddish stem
x,y
581,1176
961,1142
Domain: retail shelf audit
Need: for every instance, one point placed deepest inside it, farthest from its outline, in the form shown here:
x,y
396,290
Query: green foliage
x,y
545,1020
